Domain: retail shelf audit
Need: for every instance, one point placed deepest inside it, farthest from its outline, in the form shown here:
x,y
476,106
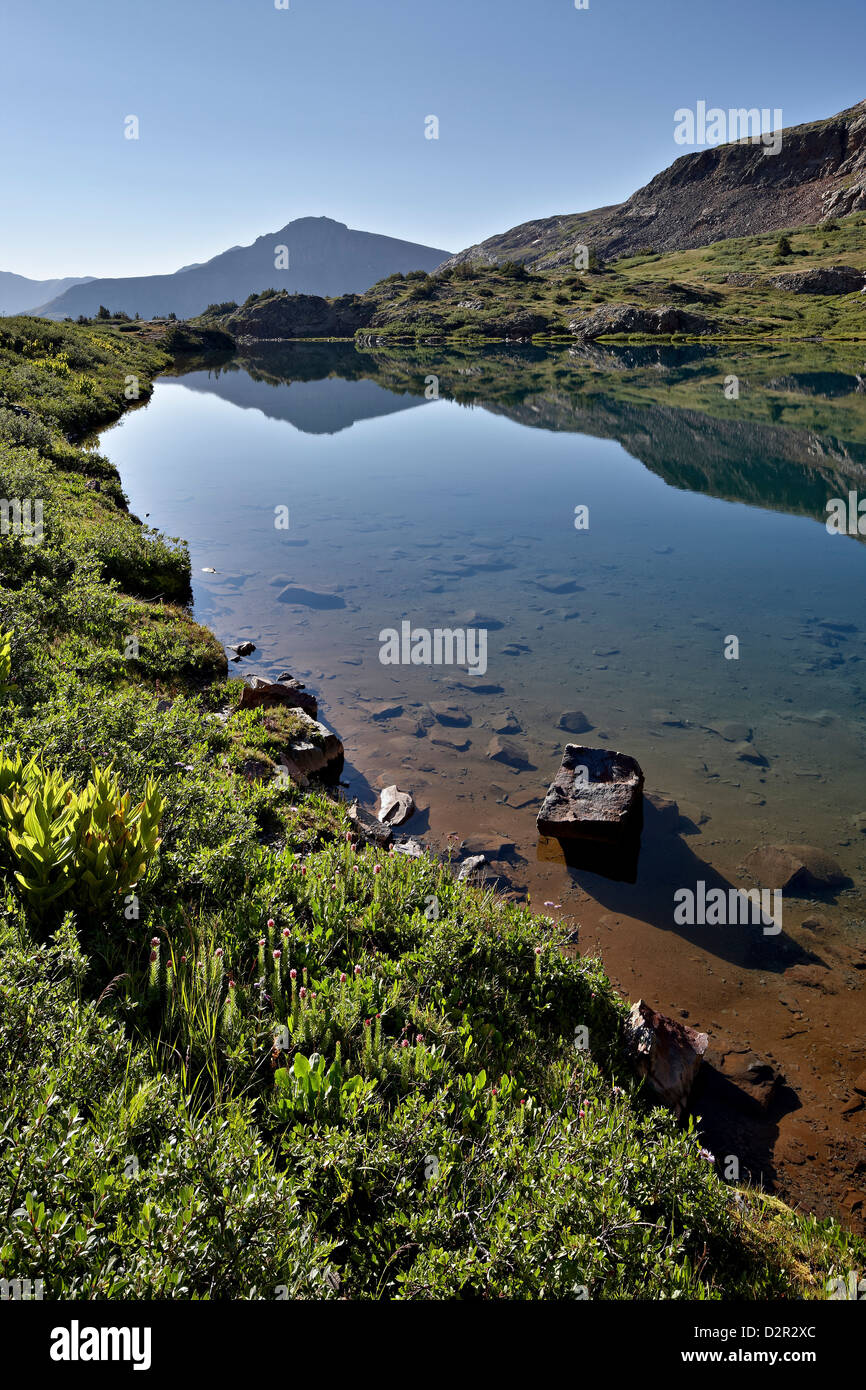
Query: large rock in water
x,y
665,1053
596,794
796,869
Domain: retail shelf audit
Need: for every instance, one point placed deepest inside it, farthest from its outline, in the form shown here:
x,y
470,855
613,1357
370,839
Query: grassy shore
x,y
262,1060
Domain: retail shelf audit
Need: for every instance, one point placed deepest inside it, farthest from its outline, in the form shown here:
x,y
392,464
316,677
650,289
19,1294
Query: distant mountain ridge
x,y
315,255
713,194
18,295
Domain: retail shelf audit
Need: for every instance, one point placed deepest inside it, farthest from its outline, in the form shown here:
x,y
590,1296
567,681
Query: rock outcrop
x,y
260,692
831,279
731,190
314,751
284,315
665,1053
613,319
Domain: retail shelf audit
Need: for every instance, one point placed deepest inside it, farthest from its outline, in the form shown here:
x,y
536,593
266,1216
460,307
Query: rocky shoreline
x,y
737,1092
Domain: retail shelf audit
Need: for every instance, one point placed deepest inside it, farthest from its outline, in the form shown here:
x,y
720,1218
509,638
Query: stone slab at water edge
x,y
596,794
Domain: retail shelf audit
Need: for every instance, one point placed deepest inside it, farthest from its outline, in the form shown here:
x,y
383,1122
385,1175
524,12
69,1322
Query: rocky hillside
x,y
726,191
809,286
316,255
278,316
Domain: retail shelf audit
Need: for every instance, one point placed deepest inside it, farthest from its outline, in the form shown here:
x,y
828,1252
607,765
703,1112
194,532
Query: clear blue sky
x,y
251,116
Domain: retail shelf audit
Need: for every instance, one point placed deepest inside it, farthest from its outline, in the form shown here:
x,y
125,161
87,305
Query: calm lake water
x,y
463,514
706,523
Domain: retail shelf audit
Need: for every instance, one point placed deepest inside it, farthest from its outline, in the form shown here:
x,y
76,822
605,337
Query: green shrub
x,y
87,847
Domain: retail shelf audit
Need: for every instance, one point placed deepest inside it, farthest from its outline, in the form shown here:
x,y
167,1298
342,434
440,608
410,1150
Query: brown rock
x,y
665,1052
756,1080
505,750
258,691
453,716
370,828
456,745
596,794
506,723
574,721
797,869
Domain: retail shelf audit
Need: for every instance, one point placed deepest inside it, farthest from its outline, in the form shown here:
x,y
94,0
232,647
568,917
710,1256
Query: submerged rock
x,y
797,869
505,750
748,753
310,598
558,584
451,715
754,1081
506,723
574,721
386,709
666,813
488,846
597,794
665,1053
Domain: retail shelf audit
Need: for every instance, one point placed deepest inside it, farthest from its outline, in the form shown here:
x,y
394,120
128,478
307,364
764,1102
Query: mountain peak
x,y
325,257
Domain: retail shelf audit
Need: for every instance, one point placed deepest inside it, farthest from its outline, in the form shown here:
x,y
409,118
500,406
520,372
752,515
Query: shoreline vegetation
x,y
805,285
247,1053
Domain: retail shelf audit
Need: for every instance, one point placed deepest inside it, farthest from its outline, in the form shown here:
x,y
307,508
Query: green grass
x,y
474,299
407,1117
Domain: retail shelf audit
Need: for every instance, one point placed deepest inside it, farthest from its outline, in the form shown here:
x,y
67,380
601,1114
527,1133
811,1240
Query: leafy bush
x,y
6,683
87,848
103,1163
